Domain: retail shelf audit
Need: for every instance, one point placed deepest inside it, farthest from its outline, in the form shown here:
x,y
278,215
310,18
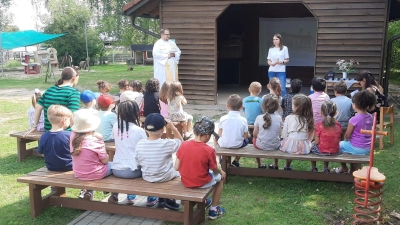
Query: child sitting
x,y
136,86
54,144
89,100
123,85
154,156
343,103
151,100
163,99
252,103
88,150
298,128
107,118
104,87
127,133
232,128
295,88
356,143
317,98
175,110
31,112
267,128
327,135
274,87
196,162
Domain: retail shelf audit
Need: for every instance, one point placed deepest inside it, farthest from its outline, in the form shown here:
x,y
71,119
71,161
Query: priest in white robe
x,y
166,55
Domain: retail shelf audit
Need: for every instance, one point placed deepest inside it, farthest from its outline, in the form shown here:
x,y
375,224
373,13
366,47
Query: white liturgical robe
x,y
166,69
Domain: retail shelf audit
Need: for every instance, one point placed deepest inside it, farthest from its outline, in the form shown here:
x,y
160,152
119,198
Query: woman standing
x,y
278,56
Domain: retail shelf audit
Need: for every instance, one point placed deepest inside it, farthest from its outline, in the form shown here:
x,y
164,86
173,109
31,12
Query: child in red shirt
x,y
197,164
327,135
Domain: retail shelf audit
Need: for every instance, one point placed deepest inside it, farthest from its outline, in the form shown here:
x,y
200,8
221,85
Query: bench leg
x,y
23,153
354,167
60,191
188,213
38,204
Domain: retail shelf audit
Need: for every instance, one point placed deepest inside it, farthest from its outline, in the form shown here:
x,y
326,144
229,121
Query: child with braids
x,y
127,133
327,135
267,128
298,128
355,142
88,151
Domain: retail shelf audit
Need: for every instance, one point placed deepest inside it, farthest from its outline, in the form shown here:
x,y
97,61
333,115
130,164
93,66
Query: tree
x,y
6,18
69,16
394,30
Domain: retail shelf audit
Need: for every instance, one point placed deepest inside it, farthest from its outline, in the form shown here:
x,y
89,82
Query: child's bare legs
x,y
314,166
343,168
217,193
326,167
258,162
288,162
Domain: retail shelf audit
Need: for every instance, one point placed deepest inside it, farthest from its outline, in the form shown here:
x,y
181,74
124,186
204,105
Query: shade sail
x,y
12,40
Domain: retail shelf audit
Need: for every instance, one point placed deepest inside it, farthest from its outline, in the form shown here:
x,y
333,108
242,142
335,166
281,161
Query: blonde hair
x,y
255,87
174,87
77,143
55,113
275,85
164,91
36,96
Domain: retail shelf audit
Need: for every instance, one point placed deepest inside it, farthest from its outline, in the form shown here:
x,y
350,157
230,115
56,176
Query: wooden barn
x,y
226,41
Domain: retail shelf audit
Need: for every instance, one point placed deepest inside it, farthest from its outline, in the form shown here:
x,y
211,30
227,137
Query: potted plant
x,y
346,66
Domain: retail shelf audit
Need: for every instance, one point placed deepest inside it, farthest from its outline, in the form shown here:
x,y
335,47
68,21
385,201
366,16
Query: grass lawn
x,y
248,200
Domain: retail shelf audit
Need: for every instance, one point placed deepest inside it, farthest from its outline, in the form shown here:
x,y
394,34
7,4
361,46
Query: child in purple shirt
x,y
356,143
317,98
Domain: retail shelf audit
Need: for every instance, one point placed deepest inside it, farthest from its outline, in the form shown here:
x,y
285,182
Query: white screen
x,y
298,34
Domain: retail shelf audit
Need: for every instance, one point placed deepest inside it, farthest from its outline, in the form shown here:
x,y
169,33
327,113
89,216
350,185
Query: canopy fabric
x,y
12,40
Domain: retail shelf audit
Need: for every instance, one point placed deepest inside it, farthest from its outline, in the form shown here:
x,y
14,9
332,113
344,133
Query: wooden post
x,y
21,148
36,201
188,212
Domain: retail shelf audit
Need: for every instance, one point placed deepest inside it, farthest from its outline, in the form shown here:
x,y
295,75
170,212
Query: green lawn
x,y
248,200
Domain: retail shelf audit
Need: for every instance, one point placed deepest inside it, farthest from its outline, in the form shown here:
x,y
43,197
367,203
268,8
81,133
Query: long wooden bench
x,y
24,152
250,152
42,178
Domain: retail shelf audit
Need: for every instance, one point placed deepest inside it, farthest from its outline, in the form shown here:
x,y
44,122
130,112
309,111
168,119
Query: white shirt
x,y
233,127
269,139
125,146
155,159
161,50
275,54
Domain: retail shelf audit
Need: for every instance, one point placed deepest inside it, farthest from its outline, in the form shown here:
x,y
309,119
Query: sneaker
x,y
214,214
207,202
235,163
82,193
151,201
113,199
88,195
171,204
287,168
161,202
130,199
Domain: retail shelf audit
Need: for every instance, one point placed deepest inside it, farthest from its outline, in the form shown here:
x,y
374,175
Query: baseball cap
x,y
205,125
105,100
87,96
154,122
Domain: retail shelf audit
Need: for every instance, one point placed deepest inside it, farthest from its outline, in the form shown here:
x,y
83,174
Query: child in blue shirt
x,y
54,144
252,103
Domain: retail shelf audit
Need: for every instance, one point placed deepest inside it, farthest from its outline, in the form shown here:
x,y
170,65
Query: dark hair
x,y
318,84
373,81
304,111
340,87
152,85
269,105
364,100
235,102
137,85
328,110
280,41
174,87
128,112
101,84
163,96
67,74
123,83
296,85
365,74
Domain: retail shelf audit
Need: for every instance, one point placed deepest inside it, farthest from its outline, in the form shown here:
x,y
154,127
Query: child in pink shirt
x,y
89,156
317,98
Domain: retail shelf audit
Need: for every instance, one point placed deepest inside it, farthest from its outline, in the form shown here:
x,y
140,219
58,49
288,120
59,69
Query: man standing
x,y
166,58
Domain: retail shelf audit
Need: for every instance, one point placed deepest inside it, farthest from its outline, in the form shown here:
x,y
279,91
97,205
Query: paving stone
x,y
110,221
101,218
95,213
133,223
124,220
138,219
148,222
85,221
116,216
94,223
158,222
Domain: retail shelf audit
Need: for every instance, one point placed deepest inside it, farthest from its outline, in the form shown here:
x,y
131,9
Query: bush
x,y
12,64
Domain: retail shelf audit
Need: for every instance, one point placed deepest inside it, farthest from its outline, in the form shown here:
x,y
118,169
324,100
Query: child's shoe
x,y
207,202
88,195
151,201
82,193
171,204
113,199
130,199
235,163
161,202
214,214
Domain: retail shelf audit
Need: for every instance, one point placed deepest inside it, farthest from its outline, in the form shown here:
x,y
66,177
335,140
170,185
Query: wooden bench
x,y
42,178
23,152
250,152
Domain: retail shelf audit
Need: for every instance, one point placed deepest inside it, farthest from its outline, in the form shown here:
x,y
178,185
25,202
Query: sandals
x,y
271,166
263,166
287,168
337,170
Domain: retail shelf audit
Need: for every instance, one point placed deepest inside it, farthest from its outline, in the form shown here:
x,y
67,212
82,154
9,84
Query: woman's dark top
x,y
151,103
380,102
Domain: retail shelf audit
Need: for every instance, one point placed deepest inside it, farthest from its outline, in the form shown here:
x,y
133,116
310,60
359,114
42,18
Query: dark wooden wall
x,y
346,29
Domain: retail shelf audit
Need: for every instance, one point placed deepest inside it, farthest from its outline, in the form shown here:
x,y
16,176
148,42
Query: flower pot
x,y
344,75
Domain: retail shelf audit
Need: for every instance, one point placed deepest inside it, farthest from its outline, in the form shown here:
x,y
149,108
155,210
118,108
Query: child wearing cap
x,y
107,117
197,164
89,100
154,156
88,150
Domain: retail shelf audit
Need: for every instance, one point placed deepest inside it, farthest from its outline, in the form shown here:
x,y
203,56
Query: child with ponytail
x,y
31,112
274,87
267,127
327,135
